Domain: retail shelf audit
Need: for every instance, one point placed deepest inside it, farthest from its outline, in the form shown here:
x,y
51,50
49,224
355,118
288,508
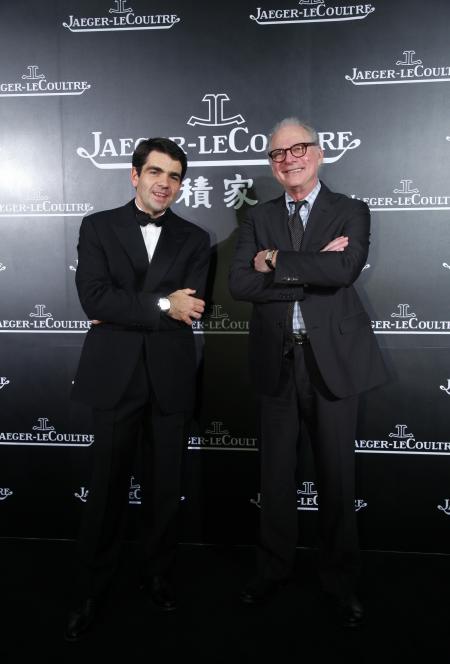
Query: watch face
x,y
164,303
268,258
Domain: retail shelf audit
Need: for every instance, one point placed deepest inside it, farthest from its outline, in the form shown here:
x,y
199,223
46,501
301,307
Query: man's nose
x,y
290,157
163,180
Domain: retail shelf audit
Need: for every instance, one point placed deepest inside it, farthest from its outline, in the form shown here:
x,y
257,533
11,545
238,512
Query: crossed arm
x,y
103,300
260,265
336,264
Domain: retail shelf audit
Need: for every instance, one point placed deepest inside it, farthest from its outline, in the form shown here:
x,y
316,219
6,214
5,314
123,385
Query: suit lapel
x,y
130,236
169,244
319,218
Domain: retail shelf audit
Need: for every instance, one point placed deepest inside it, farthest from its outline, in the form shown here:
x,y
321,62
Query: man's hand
x,y
96,322
338,244
259,262
184,307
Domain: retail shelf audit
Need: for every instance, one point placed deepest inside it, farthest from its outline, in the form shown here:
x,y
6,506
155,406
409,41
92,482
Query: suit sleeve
x,y
296,270
330,268
197,272
100,298
245,283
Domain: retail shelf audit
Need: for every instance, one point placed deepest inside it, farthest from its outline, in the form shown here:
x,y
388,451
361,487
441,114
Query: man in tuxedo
x,y
141,276
312,351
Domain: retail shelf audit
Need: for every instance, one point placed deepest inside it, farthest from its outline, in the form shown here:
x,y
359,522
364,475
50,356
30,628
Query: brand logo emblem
x,y
121,17
216,116
312,11
44,434
41,205
2,267
134,493
445,507
407,198
217,321
404,321
217,437
83,494
3,382
446,389
236,147
401,441
308,499
407,70
5,493
43,321
35,84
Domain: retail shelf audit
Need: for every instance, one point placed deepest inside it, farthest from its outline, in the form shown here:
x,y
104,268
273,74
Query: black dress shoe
x,y
82,619
258,590
350,612
158,589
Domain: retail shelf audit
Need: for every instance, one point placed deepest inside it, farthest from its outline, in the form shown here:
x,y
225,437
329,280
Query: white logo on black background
x,y
407,198
43,433
120,17
219,438
312,11
405,321
216,115
445,507
35,84
41,205
237,147
401,441
82,494
216,321
43,321
410,69
134,493
308,499
446,389
3,382
5,493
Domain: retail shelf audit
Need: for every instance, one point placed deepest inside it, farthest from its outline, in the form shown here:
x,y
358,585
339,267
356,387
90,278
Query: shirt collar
x,y
141,210
310,198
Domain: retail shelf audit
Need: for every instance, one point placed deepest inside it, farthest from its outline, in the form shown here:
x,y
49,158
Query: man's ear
x,y
134,176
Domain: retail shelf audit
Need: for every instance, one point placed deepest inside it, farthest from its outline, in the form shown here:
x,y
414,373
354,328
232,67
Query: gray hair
x,y
288,122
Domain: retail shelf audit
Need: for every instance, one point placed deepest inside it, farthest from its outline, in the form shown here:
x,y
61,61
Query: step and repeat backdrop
x,y
81,82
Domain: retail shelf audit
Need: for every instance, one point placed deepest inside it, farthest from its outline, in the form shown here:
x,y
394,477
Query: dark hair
x,y
164,145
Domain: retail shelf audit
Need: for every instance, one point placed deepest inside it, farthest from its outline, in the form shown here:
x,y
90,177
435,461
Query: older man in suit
x,y
312,351
141,277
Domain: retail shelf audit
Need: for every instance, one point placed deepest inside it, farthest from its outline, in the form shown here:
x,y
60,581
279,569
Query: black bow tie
x,y
143,218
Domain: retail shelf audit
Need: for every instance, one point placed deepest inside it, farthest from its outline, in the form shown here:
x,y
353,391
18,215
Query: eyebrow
x,y
161,170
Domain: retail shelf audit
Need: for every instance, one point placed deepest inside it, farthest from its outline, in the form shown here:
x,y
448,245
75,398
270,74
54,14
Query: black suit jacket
x,y
117,285
341,336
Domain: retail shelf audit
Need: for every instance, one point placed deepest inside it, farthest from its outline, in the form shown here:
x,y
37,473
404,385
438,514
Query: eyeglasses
x,y
297,150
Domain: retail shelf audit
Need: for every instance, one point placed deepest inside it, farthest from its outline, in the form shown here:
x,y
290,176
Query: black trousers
x,y
331,423
136,421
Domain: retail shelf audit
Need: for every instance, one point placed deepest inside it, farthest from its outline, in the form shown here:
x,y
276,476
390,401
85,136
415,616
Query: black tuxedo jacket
x,y
117,285
340,331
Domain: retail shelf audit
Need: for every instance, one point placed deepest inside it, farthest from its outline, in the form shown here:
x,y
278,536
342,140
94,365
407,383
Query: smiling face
x,y
158,183
297,175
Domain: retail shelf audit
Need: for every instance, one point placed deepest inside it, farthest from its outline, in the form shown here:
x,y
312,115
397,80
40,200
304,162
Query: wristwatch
x,y
269,257
164,303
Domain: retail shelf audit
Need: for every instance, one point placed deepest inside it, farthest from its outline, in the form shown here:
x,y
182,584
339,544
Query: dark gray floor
x,y
407,598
